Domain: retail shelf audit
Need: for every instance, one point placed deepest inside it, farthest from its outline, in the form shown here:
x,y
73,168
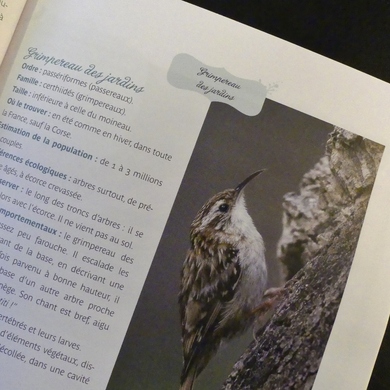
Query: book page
x,y
10,12
103,110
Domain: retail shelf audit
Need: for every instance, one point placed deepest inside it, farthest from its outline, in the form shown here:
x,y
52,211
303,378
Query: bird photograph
x,y
242,292
223,279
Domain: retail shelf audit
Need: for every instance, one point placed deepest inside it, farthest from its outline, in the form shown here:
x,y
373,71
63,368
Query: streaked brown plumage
x,y
223,279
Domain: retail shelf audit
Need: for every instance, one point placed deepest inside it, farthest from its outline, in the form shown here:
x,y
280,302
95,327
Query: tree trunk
x,y
321,227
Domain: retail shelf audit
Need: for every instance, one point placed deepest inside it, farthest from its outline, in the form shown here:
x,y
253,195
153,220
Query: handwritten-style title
x,y
206,89
100,77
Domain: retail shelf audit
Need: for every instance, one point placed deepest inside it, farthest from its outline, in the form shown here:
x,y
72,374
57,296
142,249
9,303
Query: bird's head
x,y
224,211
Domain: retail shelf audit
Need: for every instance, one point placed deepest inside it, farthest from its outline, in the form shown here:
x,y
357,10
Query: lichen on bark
x,y
321,227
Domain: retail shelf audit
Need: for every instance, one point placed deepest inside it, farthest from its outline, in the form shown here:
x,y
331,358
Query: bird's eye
x,y
224,207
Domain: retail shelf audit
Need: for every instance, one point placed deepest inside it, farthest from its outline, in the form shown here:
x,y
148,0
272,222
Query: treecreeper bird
x,y
223,278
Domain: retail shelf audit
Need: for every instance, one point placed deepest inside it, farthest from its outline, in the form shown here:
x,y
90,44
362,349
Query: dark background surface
x,y
354,33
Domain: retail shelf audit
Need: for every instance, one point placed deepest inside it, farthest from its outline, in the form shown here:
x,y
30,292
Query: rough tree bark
x,y
321,227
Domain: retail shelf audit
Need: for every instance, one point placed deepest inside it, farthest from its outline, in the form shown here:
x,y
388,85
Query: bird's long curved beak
x,y
242,185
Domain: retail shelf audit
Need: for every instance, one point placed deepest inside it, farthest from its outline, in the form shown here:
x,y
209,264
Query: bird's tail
x,y
188,382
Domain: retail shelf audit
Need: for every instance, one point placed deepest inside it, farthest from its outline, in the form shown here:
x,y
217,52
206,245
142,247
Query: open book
x,y
118,121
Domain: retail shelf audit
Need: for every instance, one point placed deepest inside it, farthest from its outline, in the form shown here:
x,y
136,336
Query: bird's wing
x,y
208,284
